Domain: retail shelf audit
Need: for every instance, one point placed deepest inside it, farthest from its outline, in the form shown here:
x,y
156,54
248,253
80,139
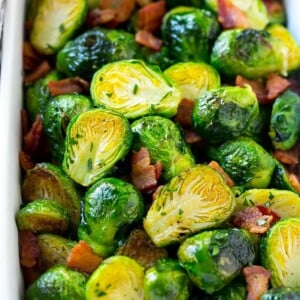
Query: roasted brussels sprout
x,y
280,253
58,113
95,141
246,162
194,200
189,33
94,48
173,152
285,121
60,283
166,280
193,78
282,293
213,258
55,23
43,216
224,113
111,206
135,89
117,277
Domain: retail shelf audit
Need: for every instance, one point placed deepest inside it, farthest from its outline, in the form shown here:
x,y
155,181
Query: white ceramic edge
x,y
293,17
10,105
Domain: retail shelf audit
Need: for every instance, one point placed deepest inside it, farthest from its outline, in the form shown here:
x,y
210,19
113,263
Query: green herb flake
x,y
62,28
271,196
108,95
180,212
135,89
89,164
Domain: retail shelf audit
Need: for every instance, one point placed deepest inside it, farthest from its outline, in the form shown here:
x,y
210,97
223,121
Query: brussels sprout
x,y
194,200
47,181
213,258
280,252
174,3
283,203
117,277
95,141
60,283
94,48
37,95
166,280
285,121
173,152
55,23
189,33
246,162
248,52
135,89
211,5
193,78
224,113
43,216
111,205
57,115
282,293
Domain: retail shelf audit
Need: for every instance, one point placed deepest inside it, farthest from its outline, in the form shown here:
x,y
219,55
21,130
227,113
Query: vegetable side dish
x,y
160,151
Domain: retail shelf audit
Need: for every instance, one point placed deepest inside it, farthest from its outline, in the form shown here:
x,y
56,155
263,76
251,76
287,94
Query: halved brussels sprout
x,y
166,280
280,253
213,258
111,206
246,162
55,23
57,115
95,141
42,215
135,89
117,277
173,152
224,113
193,78
60,283
282,293
196,199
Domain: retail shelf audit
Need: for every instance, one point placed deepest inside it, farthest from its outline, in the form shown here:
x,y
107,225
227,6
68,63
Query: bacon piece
x,y
143,2
294,180
276,85
288,157
40,71
150,16
144,176
31,58
148,40
230,16
257,278
68,86
213,164
268,211
123,8
99,16
25,161
30,275
29,249
184,113
191,136
83,259
253,220
273,6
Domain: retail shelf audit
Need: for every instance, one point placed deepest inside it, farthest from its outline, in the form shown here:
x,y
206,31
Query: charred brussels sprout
x,y
117,277
94,48
280,253
213,258
282,293
194,200
246,162
285,121
224,113
57,115
166,280
60,283
135,89
111,206
189,33
95,141
193,78
173,152
55,23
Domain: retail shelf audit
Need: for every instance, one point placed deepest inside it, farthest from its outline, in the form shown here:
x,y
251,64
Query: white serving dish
x,y
11,286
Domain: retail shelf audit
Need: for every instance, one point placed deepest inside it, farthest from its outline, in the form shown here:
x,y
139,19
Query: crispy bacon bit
x,y
68,86
29,249
288,157
148,40
276,85
30,275
273,6
144,175
25,161
213,164
268,211
191,136
253,220
143,2
257,279
24,121
99,16
83,258
294,180
230,16
184,113
40,71
150,16
31,58
123,8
